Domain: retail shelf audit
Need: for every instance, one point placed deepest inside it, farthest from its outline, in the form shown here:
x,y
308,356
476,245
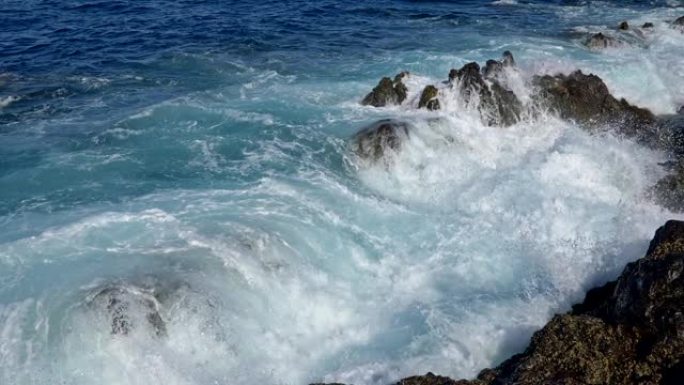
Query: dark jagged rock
x,y
507,59
372,141
492,69
507,106
647,25
428,98
432,379
624,26
469,80
497,105
399,87
669,137
679,23
387,92
586,99
630,331
669,191
599,41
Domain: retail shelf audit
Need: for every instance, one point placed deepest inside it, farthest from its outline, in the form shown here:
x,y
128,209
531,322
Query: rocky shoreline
x,y
577,97
629,331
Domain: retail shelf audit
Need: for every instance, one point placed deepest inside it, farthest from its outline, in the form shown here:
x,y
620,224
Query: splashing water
x,y
196,216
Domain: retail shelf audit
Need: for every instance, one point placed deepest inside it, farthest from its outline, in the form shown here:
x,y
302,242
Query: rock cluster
x,y
579,97
372,141
629,331
624,35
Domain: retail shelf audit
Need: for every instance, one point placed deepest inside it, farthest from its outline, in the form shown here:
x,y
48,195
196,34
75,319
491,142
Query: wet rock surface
x,y
668,136
129,308
387,92
587,100
578,97
629,331
679,23
600,41
428,98
498,105
373,141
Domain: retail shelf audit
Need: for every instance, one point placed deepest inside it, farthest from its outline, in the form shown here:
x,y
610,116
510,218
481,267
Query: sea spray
x,y
212,176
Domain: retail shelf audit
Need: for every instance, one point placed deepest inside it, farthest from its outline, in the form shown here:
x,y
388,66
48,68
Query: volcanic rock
x,y
372,141
497,105
586,99
599,41
428,98
387,92
628,331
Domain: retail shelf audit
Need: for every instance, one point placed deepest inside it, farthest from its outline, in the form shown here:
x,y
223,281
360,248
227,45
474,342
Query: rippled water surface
x,y
179,203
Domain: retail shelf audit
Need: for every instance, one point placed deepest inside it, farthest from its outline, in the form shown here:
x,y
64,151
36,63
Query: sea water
x,y
193,158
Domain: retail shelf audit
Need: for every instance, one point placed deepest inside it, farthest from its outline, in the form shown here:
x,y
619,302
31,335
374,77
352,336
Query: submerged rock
x,y
126,306
647,25
387,92
599,41
372,141
586,99
428,98
629,331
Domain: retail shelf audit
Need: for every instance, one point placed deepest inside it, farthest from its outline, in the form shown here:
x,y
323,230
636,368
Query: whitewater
x,y
197,215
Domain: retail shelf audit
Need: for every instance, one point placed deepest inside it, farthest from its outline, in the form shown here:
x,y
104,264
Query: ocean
x,y
180,203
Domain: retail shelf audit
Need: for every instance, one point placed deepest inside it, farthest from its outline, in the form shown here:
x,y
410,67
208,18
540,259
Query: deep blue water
x,y
200,149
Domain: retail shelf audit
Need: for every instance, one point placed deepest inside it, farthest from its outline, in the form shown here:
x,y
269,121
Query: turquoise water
x,y
195,156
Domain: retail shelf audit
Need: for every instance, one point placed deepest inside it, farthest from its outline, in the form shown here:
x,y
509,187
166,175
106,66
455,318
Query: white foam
x,y
445,258
7,100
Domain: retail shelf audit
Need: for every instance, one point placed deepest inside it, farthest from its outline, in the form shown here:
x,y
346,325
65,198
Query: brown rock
x,y
428,98
600,41
498,106
586,99
387,92
630,331
373,141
